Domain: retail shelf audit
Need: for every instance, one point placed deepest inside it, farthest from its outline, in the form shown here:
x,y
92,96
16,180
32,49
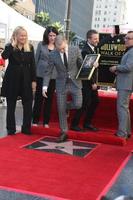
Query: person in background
x,y
2,61
42,57
19,79
2,66
67,60
89,90
124,86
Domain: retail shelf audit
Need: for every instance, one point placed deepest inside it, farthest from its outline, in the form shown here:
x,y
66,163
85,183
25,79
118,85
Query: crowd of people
x,y
53,67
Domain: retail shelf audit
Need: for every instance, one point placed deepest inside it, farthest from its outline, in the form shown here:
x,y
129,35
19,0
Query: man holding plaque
x,y
124,86
89,90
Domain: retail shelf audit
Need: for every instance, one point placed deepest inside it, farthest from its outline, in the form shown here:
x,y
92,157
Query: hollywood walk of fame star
x,y
67,147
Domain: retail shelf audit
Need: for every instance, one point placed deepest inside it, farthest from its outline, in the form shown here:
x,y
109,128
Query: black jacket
x,y
19,74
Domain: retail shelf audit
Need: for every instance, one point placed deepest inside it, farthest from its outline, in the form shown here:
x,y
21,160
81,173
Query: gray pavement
x,y
18,113
124,183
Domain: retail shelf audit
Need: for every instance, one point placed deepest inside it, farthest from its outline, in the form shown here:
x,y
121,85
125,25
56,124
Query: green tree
x,y
81,44
10,2
72,36
58,26
43,19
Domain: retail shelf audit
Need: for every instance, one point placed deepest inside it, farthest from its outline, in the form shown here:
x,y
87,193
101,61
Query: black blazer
x,y
20,72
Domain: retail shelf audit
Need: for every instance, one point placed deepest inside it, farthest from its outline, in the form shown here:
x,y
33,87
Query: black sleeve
x,y
7,51
84,53
33,66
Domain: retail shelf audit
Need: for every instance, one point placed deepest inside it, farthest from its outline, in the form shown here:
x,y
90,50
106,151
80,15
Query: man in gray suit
x,y
67,60
124,86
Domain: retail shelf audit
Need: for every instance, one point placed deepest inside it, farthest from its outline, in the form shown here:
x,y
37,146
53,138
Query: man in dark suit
x,y
67,61
89,90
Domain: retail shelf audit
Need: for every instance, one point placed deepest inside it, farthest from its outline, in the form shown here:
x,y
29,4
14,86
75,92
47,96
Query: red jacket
x,y
2,62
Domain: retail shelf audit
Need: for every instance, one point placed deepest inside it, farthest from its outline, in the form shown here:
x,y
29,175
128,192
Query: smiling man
x,y
124,86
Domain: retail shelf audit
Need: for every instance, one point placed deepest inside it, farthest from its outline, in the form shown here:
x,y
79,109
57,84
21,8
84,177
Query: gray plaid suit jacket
x,y
74,63
75,86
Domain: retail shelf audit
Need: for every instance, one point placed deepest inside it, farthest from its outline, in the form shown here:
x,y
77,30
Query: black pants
x,y
89,105
27,114
41,101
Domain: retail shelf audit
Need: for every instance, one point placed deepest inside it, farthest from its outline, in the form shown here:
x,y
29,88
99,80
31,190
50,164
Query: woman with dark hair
x,y
42,59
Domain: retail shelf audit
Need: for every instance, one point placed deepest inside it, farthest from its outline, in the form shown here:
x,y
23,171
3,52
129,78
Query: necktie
x,y
65,60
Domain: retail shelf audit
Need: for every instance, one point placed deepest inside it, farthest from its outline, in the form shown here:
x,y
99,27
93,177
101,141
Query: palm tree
x,y
43,19
58,26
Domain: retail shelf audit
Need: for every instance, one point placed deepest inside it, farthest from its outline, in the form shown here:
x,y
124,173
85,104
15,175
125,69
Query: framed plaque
x,y
86,70
111,52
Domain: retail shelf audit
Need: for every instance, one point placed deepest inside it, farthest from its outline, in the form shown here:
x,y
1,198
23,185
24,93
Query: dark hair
x,y
130,32
46,33
90,33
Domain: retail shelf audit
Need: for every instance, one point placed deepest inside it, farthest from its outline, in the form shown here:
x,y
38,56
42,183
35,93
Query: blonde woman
x,y
19,79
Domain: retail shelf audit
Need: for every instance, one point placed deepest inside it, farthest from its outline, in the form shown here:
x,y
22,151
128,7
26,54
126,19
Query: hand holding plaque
x,y
88,66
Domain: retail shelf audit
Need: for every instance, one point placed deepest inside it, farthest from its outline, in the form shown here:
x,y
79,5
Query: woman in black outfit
x,y
42,61
19,79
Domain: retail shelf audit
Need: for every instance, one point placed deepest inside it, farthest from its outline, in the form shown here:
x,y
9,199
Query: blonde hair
x,y
14,40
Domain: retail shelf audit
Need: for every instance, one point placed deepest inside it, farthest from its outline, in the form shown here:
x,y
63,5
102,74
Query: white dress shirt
x,y
91,46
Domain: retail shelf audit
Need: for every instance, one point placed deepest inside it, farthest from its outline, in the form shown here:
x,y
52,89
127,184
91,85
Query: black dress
x,y
19,74
17,81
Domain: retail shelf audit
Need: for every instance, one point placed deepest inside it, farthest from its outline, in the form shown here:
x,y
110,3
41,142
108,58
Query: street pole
x,y
68,19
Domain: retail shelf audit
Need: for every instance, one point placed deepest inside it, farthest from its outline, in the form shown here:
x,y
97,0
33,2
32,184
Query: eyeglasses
x,y
128,38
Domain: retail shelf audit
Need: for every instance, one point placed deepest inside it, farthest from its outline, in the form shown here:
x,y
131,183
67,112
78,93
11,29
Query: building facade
x,y
81,13
107,13
26,8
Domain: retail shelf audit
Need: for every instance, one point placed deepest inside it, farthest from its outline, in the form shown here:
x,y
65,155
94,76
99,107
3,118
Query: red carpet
x,y
64,176
105,136
58,175
105,118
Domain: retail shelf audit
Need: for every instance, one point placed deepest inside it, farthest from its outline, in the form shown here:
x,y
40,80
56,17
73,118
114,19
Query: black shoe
x,y
90,127
76,128
122,135
11,132
62,138
35,122
26,131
